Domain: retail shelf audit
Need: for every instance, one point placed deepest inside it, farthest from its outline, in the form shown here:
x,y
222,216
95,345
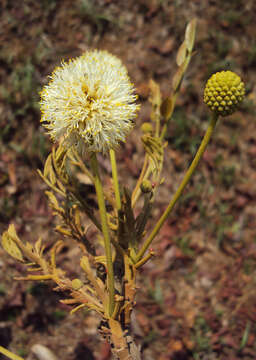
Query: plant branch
x,y
180,189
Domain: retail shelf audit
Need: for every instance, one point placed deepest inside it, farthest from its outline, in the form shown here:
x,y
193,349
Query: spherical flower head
x,y
224,92
90,101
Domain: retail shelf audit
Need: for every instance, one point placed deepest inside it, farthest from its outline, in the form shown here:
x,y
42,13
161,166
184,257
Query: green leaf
x,y
190,34
155,93
166,107
48,165
9,244
177,78
181,55
52,199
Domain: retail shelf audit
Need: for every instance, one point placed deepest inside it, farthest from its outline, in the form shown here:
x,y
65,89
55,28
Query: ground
x,y
196,298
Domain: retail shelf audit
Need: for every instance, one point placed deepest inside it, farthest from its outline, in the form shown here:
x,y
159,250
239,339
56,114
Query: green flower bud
x,y
223,93
146,128
77,284
146,186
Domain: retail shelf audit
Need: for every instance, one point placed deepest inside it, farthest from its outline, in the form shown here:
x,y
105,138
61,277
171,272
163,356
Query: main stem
x,y
180,189
105,232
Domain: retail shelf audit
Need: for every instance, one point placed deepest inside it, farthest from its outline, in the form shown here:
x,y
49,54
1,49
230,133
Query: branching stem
x,y
180,189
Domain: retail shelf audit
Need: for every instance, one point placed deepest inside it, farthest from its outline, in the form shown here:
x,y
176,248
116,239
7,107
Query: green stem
x,y
180,189
105,232
9,354
115,178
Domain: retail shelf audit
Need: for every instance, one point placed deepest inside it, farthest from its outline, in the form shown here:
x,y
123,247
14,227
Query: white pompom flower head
x,y
89,101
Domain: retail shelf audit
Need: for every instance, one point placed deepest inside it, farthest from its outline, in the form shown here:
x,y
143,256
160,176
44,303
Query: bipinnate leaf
x,y
9,244
190,34
181,55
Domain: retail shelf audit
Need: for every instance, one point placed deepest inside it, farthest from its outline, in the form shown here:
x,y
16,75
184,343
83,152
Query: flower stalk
x,y
115,178
105,232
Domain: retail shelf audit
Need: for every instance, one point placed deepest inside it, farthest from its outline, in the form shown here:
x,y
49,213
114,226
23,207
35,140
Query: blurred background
x,y
197,296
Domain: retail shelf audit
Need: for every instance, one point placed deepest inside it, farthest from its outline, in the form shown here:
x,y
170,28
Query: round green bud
x,y
77,284
146,128
146,186
224,92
